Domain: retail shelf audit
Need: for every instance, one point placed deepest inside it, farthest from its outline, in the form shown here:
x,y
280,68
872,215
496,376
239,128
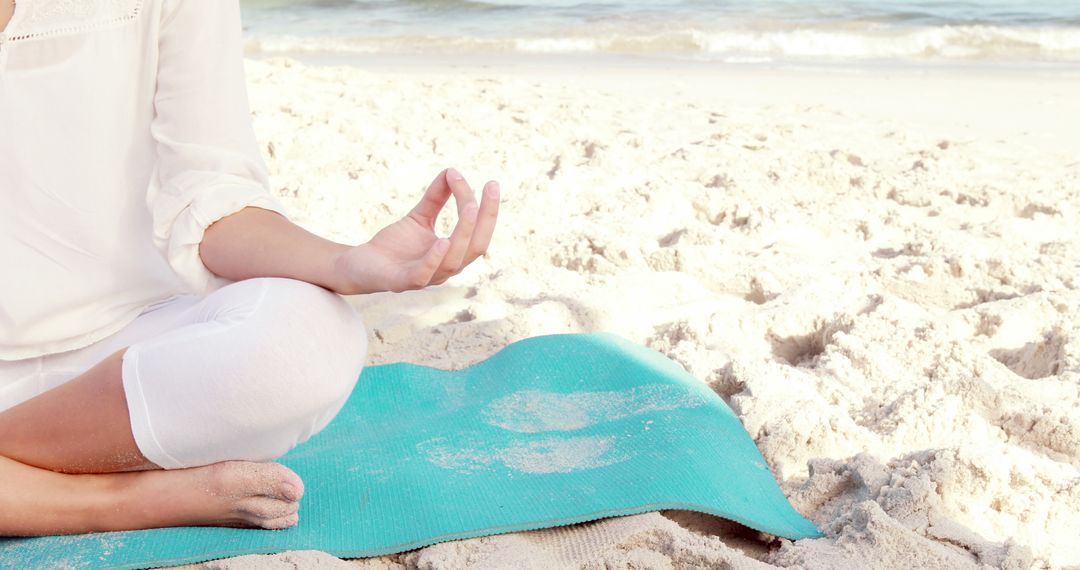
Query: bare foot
x,y
231,493
36,501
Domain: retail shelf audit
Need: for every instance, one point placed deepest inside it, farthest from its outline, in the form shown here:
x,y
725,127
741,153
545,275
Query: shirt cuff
x,y
186,233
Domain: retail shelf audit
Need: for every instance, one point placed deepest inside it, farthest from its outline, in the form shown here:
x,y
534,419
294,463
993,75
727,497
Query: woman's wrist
x,y
342,279
337,282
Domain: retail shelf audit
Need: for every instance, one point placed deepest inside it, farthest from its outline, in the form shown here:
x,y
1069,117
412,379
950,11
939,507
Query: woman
x,y
165,331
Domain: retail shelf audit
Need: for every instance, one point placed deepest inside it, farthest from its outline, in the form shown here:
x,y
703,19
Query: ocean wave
x,y
945,43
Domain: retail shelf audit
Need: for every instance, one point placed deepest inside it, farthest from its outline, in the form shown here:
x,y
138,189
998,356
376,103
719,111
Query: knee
x,y
320,332
272,365
315,346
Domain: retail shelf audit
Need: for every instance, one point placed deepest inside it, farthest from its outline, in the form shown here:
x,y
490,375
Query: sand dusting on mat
x,y
889,304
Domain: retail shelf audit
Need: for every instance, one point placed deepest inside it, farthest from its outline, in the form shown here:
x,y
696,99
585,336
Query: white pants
x,y
247,372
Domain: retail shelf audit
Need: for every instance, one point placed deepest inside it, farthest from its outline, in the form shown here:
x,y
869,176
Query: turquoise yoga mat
x,y
550,431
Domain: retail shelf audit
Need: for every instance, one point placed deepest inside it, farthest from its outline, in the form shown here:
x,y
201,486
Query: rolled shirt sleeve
x,y
208,162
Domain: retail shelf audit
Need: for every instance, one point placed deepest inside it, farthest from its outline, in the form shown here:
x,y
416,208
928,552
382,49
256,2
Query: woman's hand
x,y
408,255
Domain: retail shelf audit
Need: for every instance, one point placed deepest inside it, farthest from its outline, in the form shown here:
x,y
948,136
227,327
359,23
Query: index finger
x,y
435,197
463,193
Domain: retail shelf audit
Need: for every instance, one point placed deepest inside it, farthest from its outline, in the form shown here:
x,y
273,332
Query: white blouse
x,y
125,132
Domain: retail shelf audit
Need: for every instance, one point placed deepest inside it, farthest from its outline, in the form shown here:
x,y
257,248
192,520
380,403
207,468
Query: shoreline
x,y
1032,105
658,62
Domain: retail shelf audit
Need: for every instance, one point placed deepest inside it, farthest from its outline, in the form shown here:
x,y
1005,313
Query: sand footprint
x,y
536,411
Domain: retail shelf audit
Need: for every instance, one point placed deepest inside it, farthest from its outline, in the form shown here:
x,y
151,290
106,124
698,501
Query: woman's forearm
x,y
255,242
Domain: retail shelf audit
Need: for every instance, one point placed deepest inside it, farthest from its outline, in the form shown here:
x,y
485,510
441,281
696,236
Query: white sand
x,y
880,272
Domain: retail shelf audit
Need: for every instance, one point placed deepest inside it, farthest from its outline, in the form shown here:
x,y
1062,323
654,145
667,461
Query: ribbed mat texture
x,y
551,430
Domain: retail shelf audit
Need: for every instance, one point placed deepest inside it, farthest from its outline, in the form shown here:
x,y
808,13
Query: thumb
x,y
421,274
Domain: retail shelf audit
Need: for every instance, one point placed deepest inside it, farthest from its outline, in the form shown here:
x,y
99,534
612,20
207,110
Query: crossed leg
x,y
69,464
246,373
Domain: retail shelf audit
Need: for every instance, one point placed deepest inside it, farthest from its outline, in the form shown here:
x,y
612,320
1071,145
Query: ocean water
x,y
1044,32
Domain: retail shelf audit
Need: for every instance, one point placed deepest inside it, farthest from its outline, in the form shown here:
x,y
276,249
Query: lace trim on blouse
x,y
49,18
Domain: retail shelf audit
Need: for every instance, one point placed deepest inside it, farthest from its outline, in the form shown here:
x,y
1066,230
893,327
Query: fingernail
x,y
453,174
493,191
444,245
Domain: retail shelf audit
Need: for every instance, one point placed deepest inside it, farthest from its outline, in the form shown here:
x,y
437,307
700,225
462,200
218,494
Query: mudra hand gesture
x,y
409,255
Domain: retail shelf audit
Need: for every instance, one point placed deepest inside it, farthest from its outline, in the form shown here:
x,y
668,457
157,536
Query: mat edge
x,y
408,546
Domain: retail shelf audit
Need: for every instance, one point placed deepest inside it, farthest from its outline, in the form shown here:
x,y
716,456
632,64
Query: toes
x,y
268,479
290,487
281,482
282,522
260,509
